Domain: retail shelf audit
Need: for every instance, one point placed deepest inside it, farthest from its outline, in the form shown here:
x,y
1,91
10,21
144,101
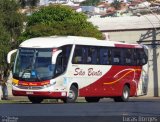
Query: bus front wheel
x,y
35,99
73,94
125,95
92,99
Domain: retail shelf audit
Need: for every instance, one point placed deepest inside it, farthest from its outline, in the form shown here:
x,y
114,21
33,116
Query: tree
x,y
4,47
12,19
11,24
59,20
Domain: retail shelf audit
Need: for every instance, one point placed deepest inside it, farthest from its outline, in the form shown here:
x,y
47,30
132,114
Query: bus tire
x,y
92,99
73,94
125,95
35,99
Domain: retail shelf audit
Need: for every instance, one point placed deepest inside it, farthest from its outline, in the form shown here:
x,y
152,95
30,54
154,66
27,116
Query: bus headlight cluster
x,y
45,86
14,84
52,82
48,85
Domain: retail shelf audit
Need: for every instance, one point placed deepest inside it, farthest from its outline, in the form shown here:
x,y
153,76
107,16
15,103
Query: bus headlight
x,y
14,84
48,85
52,82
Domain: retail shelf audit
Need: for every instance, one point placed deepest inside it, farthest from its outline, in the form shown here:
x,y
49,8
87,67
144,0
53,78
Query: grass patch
x,y
12,101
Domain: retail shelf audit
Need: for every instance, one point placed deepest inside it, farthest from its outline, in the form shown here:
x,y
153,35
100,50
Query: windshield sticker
x,y
26,75
33,73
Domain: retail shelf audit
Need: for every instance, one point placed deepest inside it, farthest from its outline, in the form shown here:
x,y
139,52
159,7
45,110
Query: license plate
x,y
29,92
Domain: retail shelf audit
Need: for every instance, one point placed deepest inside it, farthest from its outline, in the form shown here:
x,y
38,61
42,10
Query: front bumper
x,y
43,94
39,91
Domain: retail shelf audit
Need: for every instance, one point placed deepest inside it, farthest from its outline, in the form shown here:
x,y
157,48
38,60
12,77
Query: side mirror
x,y
12,66
9,55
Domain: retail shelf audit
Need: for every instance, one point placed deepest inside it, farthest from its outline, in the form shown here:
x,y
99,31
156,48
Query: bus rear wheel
x,y
92,99
73,94
35,99
125,95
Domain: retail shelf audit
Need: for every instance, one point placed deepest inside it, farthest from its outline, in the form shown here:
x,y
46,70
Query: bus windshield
x,y
34,64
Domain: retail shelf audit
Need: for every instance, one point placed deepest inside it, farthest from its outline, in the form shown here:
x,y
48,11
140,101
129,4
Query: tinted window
x,y
62,60
92,55
127,56
78,57
142,57
85,55
108,56
105,56
116,56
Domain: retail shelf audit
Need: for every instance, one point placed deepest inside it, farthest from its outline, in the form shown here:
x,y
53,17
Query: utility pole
x,y
154,46
155,70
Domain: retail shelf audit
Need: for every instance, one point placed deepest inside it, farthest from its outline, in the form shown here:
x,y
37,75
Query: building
x,y
69,2
143,29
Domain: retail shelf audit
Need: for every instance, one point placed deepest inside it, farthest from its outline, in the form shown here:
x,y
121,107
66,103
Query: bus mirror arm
x,y
55,56
10,54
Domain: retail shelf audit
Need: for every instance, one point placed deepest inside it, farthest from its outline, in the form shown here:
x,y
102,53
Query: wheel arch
x,y
127,84
73,84
132,88
72,93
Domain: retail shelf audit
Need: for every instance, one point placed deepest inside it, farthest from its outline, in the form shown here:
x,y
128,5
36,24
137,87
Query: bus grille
x,y
30,87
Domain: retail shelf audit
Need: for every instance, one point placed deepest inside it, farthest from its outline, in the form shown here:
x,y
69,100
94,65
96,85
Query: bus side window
x,y
95,59
92,55
104,56
78,59
59,65
143,57
78,55
62,60
128,57
116,56
66,50
146,55
135,57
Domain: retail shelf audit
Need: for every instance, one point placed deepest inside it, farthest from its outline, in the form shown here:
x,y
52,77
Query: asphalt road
x,y
136,110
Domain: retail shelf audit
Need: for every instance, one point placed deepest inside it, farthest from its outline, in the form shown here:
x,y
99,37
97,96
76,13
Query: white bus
x,y
70,67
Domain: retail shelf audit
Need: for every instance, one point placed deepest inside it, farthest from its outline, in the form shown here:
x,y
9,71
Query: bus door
x,y
143,82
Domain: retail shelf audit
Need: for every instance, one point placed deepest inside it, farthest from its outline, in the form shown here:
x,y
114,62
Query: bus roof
x,y
57,41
